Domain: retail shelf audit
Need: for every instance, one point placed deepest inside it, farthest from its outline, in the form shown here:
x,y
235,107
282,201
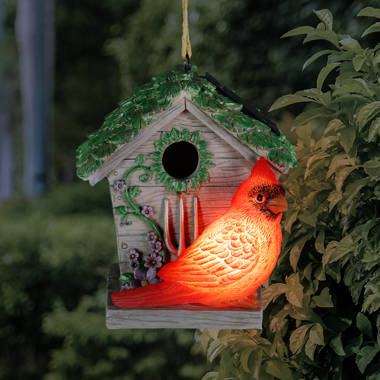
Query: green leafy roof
x,y
137,112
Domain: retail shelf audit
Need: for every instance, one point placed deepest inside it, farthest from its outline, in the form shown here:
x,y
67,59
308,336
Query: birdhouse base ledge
x,y
181,316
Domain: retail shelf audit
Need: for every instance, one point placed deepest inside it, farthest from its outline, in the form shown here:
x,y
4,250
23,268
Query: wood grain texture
x,y
181,316
160,121
226,172
248,153
251,154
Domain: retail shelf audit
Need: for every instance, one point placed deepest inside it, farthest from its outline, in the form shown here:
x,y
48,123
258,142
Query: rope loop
x,y
186,46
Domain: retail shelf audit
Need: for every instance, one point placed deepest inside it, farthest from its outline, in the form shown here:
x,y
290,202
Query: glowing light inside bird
x,y
231,258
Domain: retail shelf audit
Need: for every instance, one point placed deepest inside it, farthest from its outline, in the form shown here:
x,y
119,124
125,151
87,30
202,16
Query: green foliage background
x,y
54,253
54,258
321,318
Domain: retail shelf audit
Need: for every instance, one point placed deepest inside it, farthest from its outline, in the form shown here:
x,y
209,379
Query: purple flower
x,y
120,185
147,211
151,237
148,277
133,255
134,264
153,261
157,246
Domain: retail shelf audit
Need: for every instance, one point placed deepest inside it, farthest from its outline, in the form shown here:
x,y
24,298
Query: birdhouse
x,y
174,154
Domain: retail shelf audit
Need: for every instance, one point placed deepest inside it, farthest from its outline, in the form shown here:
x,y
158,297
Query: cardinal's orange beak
x,y
277,204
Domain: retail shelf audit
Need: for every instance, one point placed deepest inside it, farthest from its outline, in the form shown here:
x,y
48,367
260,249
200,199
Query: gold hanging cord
x,y
186,46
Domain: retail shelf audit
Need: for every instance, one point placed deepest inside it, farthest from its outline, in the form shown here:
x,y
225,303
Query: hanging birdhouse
x,y
174,155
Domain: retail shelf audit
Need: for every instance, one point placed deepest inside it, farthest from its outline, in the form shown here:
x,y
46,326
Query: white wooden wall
x,y
214,196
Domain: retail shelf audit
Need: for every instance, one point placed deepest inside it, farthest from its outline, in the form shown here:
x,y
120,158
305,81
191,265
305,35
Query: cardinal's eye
x,y
260,198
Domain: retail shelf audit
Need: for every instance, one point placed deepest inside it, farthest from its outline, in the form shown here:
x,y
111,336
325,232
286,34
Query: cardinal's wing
x,y
221,254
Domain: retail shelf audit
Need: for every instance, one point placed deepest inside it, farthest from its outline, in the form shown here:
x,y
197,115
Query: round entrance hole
x,y
180,159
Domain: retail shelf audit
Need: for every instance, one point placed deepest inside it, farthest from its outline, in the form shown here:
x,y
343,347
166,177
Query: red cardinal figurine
x,y
231,258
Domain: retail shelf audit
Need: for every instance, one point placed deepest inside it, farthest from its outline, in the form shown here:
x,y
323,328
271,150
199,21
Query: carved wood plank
x,y
181,316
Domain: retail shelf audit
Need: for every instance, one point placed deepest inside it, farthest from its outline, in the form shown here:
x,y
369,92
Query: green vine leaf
x,y
156,167
202,145
169,183
126,278
175,135
186,135
134,191
140,159
177,186
165,138
161,177
195,137
194,182
159,146
156,156
122,210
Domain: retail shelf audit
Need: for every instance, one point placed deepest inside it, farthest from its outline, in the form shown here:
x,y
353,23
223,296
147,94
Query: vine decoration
x,y
144,271
201,173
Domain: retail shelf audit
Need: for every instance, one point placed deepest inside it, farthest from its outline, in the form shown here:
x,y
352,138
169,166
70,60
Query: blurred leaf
x,y
336,250
372,168
324,73
298,31
326,17
363,324
369,12
365,356
374,130
278,369
367,112
287,100
326,35
324,299
298,337
375,28
350,43
337,346
347,138
270,293
294,290
314,57
295,252
358,61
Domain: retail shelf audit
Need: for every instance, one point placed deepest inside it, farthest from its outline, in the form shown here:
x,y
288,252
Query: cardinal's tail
x,y
161,294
